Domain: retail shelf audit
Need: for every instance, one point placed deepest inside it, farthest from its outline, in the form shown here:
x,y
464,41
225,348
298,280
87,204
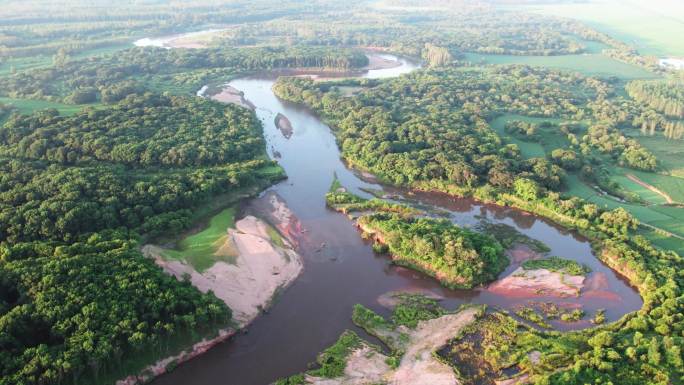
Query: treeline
x,y
141,131
457,257
391,130
466,27
432,125
664,96
43,27
111,78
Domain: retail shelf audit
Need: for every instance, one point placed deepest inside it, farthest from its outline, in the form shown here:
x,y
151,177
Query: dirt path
x,y
640,182
418,365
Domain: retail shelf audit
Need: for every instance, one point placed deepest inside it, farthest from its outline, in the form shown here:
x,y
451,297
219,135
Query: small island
x,y
457,257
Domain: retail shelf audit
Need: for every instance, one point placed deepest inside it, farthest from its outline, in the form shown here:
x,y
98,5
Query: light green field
x,y
644,193
589,64
200,249
578,188
28,106
670,153
654,27
668,218
548,141
42,61
663,241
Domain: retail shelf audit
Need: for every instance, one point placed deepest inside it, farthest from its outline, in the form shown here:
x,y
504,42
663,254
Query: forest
x,y
459,257
76,194
111,77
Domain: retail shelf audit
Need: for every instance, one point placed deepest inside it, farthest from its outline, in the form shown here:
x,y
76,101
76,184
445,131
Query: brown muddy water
x,y
341,270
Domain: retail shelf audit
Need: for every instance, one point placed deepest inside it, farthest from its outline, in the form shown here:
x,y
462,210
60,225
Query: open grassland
x,y
548,141
671,185
668,218
654,27
670,153
589,64
41,61
201,250
29,106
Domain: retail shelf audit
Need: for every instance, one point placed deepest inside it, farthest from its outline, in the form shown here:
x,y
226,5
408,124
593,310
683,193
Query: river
x,y
340,268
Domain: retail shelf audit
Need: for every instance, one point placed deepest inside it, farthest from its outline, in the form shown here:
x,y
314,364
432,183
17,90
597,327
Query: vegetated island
x,y
457,257
417,329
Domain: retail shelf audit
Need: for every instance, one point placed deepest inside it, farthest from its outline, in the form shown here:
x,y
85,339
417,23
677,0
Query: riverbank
x,y
228,94
265,263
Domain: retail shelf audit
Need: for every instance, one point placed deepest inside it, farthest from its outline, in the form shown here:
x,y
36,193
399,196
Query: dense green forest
x,y
457,257
405,131
110,78
140,131
75,194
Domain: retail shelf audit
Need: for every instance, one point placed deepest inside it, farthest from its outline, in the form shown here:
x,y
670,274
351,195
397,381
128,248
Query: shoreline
x,y
267,263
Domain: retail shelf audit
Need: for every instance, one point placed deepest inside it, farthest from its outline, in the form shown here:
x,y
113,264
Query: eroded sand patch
x,y
231,95
538,282
418,365
284,125
262,265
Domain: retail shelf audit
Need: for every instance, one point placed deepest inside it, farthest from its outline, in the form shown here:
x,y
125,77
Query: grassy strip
x,y
201,249
556,264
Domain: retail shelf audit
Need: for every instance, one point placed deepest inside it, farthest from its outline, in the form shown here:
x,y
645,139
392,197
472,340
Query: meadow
x,y
653,27
201,249
587,64
28,106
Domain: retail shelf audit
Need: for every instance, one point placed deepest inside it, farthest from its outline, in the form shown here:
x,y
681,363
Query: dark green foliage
x,y
87,307
333,360
556,264
116,76
412,309
77,298
430,128
456,256
141,131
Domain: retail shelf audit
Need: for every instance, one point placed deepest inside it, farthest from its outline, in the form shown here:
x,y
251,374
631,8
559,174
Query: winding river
x,y
340,268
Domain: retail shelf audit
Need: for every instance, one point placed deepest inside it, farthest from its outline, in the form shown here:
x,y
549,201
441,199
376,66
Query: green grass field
x,y
590,64
42,61
28,106
654,27
200,249
670,153
549,140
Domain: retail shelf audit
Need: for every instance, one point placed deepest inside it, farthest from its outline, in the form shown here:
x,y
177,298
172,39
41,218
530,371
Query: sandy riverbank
x,y
228,94
260,270
380,62
538,283
418,366
263,266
